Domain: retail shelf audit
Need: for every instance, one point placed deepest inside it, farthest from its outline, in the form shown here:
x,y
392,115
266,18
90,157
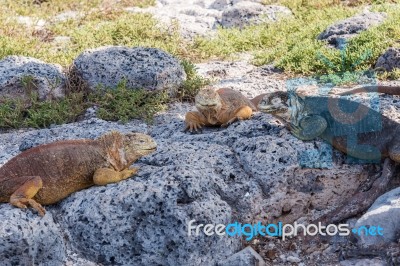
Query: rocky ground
x,y
249,172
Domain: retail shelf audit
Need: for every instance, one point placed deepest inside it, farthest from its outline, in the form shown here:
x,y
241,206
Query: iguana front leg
x,y
195,121
104,176
24,194
241,113
309,127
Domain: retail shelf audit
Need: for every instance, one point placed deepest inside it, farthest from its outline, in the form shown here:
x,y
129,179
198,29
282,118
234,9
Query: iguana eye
x,y
276,100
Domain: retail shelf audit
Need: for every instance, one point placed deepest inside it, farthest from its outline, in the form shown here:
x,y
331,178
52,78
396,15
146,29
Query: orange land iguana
x,y
348,126
48,173
219,108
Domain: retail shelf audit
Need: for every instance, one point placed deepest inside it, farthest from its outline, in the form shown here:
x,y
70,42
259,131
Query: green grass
x,y
292,43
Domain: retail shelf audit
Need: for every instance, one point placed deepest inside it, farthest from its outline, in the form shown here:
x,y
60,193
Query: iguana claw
x,y
193,126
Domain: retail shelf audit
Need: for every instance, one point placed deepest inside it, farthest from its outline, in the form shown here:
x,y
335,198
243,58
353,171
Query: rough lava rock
x,y
338,33
385,212
144,220
28,239
148,68
48,79
195,17
246,13
248,172
244,173
363,262
203,17
389,60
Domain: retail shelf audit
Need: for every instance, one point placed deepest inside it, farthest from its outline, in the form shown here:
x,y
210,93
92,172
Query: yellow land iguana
x,y
218,108
48,173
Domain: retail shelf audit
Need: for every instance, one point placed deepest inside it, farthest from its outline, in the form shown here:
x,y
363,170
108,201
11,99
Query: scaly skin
x,y
348,126
218,108
321,116
391,90
48,173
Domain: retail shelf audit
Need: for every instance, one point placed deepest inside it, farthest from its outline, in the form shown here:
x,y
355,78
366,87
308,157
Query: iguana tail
x,y
391,90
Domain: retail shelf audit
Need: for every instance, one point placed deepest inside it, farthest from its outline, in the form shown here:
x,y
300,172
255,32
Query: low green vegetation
x,y
113,104
124,104
192,84
30,112
291,44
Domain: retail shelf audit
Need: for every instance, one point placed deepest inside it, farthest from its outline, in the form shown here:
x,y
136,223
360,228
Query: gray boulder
x,y
19,74
195,17
338,33
389,60
218,4
148,68
29,239
385,212
247,13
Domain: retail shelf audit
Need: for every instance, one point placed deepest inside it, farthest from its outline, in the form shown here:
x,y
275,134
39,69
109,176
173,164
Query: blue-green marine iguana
x,y
348,126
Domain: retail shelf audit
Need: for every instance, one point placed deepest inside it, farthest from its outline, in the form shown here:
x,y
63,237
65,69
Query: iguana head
x,y
275,103
208,99
137,145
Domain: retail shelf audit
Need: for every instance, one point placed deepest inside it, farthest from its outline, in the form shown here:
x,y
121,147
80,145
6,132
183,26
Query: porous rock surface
x,y
203,17
389,60
48,79
385,212
363,262
338,33
247,13
247,172
139,67
28,239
